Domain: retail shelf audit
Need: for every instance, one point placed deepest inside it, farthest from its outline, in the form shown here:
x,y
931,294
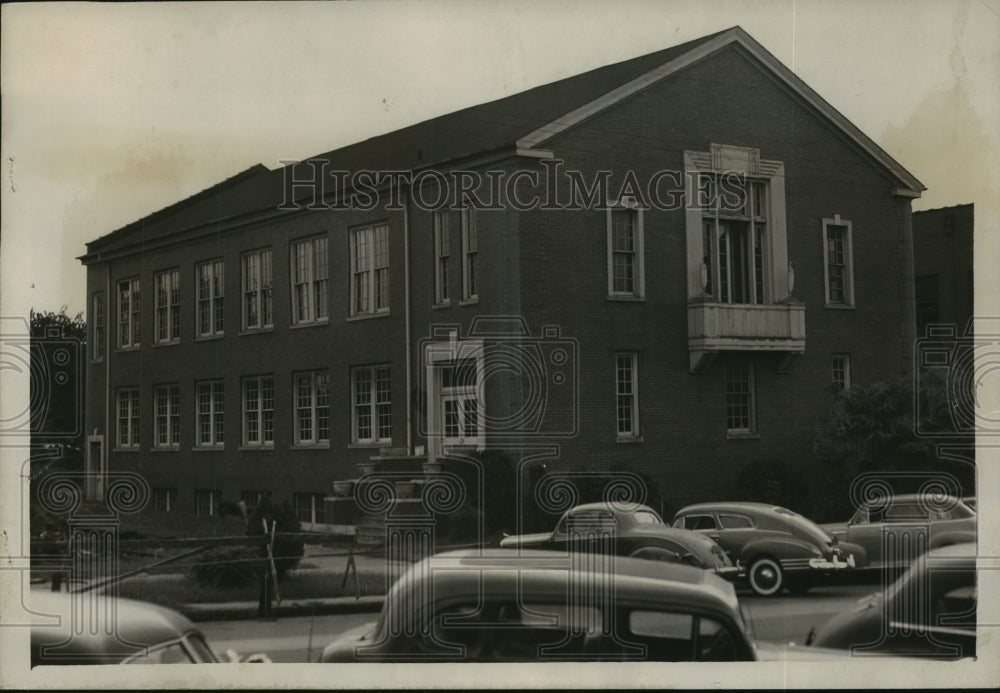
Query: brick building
x,y
667,265
943,266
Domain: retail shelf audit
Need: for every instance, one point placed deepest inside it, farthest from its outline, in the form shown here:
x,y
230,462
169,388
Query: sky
x,y
111,112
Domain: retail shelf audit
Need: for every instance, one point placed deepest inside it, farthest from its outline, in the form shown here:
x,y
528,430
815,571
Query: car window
x,y
699,522
735,522
644,517
678,637
589,520
174,653
905,512
197,645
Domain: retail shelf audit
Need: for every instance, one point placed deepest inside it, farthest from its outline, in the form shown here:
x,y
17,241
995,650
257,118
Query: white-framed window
x,y
167,421
370,270
211,292
251,499
838,261
310,285
258,411
442,256
734,237
470,255
257,312
165,499
168,306
841,371
206,501
308,506
625,250
627,395
372,411
129,304
461,408
312,408
741,408
210,414
128,417
97,328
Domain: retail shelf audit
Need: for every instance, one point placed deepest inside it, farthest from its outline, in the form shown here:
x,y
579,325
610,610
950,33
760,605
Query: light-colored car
x,y
636,530
893,531
930,611
778,548
92,629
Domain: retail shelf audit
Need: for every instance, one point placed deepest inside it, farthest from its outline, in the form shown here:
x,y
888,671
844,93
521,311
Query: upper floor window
x,y
370,270
470,255
98,326
167,422
211,413
838,261
168,306
312,408
735,221
129,302
625,251
462,415
627,395
741,414
128,417
442,256
841,371
258,411
257,290
211,291
310,290
372,404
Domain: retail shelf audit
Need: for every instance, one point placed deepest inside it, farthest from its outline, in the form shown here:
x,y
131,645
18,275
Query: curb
x,y
233,611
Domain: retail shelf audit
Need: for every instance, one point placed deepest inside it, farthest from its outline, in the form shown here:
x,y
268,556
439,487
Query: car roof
x,y
135,623
733,506
611,505
528,574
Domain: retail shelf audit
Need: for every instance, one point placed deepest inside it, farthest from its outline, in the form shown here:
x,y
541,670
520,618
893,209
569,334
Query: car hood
x,y
837,529
525,539
342,649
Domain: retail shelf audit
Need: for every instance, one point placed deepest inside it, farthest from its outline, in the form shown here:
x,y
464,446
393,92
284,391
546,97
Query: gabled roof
x,y
523,121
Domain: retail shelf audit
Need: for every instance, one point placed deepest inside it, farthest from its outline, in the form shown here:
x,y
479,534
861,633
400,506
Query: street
x,y
780,620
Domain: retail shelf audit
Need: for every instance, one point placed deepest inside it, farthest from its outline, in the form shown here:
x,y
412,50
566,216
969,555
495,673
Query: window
x,y
128,313
167,422
735,522
372,405
696,522
310,289
168,307
470,255
370,270
98,326
257,290
258,411
442,253
308,506
837,255
734,234
625,251
312,408
211,414
165,499
251,499
128,417
211,291
740,409
841,371
206,501
460,406
627,395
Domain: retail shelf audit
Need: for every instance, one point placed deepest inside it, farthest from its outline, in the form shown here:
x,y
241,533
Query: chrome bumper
x,y
834,564
730,572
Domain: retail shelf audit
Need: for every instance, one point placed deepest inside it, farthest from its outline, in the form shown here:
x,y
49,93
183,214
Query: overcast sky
x,y
111,112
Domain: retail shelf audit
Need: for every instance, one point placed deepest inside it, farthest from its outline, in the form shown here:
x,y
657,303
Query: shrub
x,y
228,566
287,553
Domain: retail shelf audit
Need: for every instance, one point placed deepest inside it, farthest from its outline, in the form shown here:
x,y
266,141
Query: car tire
x,y
799,584
765,576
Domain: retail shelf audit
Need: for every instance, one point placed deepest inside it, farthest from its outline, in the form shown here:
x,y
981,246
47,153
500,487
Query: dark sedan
x,y
631,530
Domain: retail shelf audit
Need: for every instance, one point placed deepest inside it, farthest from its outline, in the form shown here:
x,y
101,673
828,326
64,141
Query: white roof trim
x,y
739,36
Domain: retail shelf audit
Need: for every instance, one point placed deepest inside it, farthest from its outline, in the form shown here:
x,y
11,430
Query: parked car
x,y
777,547
899,524
638,532
128,632
929,611
502,605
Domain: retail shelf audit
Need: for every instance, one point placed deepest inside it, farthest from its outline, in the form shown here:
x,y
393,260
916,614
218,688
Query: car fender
x,y
781,548
526,540
857,550
957,536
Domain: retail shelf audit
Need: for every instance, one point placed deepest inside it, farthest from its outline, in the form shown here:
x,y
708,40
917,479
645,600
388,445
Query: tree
x,y
58,349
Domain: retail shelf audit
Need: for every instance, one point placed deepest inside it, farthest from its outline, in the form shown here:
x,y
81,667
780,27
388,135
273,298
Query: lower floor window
x,y
165,499
740,405
372,405
168,417
251,499
206,501
841,371
128,417
309,507
258,411
627,395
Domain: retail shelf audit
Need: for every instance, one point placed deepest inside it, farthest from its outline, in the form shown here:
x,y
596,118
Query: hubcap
x,y
766,576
